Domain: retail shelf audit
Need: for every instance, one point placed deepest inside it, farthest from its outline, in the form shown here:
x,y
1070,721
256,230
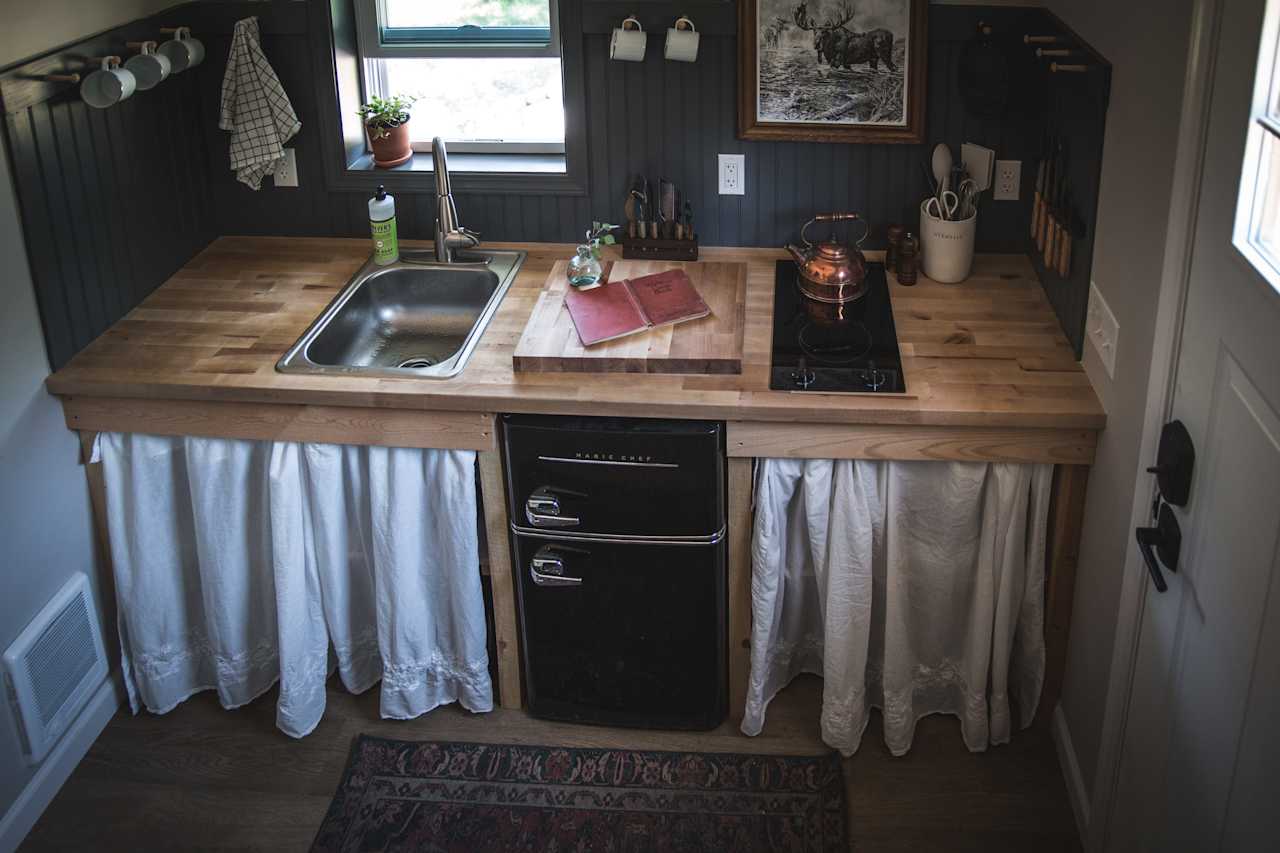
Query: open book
x,y
622,308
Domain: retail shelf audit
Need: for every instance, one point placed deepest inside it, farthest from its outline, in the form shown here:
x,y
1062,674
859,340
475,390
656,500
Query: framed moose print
x,y
832,70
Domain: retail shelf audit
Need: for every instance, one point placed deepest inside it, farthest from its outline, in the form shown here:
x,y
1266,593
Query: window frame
x,y
348,166
448,41
1255,175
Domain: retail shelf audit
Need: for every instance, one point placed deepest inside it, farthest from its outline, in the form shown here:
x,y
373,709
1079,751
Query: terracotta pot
x,y
393,148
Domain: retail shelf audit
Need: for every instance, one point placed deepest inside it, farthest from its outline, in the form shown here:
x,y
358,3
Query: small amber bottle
x,y
908,259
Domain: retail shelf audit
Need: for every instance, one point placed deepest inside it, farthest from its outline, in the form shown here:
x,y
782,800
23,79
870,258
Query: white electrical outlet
x,y
286,173
1008,182
1102,329
733,174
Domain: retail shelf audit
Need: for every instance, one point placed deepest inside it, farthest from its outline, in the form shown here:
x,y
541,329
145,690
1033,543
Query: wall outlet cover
x,y
1102,329
286,173
733,174
1008,180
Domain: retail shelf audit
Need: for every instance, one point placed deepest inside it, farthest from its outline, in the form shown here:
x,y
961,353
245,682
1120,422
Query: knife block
x,y
647,249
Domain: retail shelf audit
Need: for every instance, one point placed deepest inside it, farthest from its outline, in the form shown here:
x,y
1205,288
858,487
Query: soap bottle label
x,y
385,246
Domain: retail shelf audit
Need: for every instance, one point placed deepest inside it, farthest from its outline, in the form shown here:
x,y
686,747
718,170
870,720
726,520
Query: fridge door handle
x,y
543,510
547,569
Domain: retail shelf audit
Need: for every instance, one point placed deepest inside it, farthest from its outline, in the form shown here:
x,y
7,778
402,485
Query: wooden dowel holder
x,y
61,78
1056,51
1040,39
1060,68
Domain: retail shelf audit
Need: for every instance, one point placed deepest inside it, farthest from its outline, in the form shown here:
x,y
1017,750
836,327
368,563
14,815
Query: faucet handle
x,y
463,238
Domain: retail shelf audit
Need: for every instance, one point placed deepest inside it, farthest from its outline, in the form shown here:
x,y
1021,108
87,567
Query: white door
x,y
1200,761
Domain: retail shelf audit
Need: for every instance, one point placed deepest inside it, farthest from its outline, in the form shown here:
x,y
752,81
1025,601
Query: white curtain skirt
x,y
242,563
914,587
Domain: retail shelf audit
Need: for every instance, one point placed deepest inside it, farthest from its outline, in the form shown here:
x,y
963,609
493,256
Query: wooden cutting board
x,y
713,344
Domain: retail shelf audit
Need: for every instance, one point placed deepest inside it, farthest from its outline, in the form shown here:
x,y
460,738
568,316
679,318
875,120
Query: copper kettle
x,y
831,272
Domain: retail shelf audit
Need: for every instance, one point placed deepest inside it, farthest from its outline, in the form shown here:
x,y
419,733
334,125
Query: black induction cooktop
x,y
854,352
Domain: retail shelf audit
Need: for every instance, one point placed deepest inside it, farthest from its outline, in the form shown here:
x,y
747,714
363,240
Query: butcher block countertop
x,y
985,353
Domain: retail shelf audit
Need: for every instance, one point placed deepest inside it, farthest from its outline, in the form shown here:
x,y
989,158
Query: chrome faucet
x,y
450,235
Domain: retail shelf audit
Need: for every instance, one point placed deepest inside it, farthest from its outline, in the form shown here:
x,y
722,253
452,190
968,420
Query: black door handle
x,y
1147,538
1163,541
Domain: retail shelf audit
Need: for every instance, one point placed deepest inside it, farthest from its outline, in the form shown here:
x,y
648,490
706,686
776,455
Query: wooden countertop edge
x,y
277,421
810,411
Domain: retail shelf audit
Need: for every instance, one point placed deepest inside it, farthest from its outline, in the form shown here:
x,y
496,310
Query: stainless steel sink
x,y
407,319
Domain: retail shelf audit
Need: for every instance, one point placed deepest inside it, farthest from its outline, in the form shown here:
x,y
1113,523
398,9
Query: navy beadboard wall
x,y
669,119
114,201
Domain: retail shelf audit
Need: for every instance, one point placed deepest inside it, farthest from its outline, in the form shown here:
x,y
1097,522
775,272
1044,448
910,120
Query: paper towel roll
x,y
628,44
682,41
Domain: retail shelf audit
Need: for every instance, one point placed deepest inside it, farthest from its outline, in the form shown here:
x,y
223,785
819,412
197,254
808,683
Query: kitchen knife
x,y
1053,229
1067,221
1035,206
1063,214
1050,220
666,206
1053,176
1044,194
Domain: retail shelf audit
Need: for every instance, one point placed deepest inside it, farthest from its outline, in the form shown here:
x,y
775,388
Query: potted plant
x,y
386,120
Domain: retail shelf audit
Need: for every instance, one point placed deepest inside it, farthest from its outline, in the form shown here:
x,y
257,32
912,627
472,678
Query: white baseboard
x,y
58,764
1076,791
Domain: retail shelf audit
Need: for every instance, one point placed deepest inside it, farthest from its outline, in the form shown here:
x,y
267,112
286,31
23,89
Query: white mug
x,y
628,44
109,85
682,41
150,68
183,51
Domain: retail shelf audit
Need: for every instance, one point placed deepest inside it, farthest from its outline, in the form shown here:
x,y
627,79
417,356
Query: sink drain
x,y
418,361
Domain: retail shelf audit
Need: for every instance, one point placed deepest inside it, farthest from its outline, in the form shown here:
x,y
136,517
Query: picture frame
x,y
808,73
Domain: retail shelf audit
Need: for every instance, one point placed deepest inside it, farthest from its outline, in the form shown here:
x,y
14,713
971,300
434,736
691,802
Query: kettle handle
x,y
836,217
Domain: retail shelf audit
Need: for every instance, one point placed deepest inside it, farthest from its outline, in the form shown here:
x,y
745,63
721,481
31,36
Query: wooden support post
x,y
1066,519
493,497
97,492
739,535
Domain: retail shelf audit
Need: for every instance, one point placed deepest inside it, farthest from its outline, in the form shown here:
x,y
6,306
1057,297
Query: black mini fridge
x,y
618,542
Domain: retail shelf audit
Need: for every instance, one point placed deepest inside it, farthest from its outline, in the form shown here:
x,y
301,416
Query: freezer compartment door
x,y
615,477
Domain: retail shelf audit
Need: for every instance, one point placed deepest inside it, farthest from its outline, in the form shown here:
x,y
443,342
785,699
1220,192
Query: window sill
x,y
543,174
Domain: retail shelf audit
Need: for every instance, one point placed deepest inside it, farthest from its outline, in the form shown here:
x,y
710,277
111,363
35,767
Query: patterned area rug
x,y
401,796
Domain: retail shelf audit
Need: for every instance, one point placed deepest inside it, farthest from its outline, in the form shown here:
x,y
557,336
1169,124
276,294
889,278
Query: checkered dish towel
x,y
254,108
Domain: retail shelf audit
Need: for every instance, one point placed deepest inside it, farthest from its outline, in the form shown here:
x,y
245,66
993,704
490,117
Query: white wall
x,y
46,530
1146,41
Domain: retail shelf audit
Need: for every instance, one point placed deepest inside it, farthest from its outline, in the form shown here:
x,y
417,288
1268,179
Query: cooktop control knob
x,y
802,376
873,377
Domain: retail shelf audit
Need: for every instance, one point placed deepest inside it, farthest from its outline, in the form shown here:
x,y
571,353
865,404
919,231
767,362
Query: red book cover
x,y
668,297
604,313
623,308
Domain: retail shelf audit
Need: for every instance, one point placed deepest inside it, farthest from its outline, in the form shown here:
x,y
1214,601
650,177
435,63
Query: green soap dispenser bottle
x,y
382,223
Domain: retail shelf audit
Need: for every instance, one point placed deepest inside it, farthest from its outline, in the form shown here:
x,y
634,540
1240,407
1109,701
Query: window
x,y
1257,226
488,73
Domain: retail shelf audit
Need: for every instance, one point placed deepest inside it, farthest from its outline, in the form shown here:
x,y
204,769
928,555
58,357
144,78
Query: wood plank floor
x,y
201,778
